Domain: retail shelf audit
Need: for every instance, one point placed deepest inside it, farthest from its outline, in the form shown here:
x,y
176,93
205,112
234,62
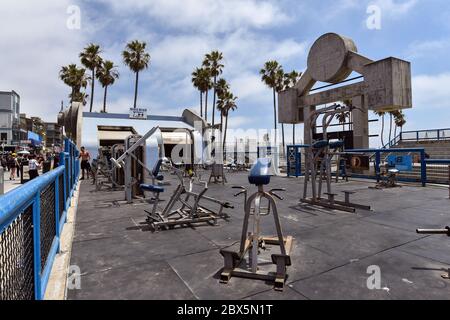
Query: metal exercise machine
x,y
235,263
445,231
319,156
133,163
104,174
191,208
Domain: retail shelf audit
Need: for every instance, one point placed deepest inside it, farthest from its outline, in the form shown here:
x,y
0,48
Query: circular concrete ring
x,y
327,58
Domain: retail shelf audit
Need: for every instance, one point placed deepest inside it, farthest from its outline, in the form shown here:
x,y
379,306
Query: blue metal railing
x,y
32,217
378,160
420,135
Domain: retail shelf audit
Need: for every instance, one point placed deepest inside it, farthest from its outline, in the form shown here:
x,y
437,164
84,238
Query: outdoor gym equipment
x,y
104,174
319,156
133,162
383,85
445,231
217,174
235,263
192,209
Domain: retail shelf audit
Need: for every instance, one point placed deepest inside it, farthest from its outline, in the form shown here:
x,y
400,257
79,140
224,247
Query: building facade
x,y
53,135
9,118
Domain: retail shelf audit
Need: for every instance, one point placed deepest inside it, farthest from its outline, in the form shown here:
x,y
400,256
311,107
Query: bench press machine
x,y
192,209
235,263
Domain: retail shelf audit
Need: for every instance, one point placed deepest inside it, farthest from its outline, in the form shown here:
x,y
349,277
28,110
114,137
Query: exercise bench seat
x,y
260,172
152,188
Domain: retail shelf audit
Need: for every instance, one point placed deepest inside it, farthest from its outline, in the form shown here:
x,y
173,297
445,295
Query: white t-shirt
x,y
33,164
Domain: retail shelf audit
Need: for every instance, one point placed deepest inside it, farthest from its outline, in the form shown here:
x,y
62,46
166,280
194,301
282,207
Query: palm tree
x,y
213,61
222,88
399,120
225,104
381,114
342,118
90,58
270,76
76,79
79,97
290,79
107,74
137,59
196,82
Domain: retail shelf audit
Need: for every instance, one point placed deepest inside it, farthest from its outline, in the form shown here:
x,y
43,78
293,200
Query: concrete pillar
x,y
360,123
307,134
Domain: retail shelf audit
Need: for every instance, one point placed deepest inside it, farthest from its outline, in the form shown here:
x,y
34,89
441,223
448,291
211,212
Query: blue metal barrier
x,y
31,221
294,160
378,152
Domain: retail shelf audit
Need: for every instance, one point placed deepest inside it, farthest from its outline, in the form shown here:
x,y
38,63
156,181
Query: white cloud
x,y
395,8
431,91
419,49
35,44
206,15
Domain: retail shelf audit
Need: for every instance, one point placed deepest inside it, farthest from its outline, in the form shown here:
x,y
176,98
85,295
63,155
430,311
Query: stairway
x,y
435,149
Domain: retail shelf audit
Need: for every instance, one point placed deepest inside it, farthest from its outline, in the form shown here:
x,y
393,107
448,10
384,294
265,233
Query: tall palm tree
x,y
196,82
290,79
381,114
213,61
225,104
90,58
76,79
107,74
137,59
222,88
270,76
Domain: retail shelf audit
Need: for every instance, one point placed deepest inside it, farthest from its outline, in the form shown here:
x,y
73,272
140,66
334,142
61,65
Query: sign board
x,y
401,163
138,113
357,162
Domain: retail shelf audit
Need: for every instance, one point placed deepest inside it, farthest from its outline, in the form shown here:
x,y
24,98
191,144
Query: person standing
x,y
85,159
33,167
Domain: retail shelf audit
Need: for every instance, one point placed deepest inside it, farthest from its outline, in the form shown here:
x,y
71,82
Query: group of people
x,y
12,163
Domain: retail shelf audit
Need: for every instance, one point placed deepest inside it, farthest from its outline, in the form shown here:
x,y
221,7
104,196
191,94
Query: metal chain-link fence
x,y
48,221
16,259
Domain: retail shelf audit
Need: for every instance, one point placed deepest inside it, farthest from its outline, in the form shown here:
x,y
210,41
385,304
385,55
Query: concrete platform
x,y
120,257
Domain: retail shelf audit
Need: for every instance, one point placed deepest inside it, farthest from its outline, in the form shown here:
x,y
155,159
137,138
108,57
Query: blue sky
x,y
36,43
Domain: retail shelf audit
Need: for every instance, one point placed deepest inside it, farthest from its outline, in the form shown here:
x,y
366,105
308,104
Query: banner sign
x,y
138,113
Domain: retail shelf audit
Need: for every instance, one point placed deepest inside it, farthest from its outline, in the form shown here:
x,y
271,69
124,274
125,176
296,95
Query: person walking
x,y
85,159
33,167
12,163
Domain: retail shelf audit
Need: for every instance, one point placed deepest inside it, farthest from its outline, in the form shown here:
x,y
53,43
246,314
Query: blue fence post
x,y
423,168
58,230
37,246
377,165
417,135
438,135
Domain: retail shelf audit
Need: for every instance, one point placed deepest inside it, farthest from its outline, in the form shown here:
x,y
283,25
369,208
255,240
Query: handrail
x,y
27,205
19,197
